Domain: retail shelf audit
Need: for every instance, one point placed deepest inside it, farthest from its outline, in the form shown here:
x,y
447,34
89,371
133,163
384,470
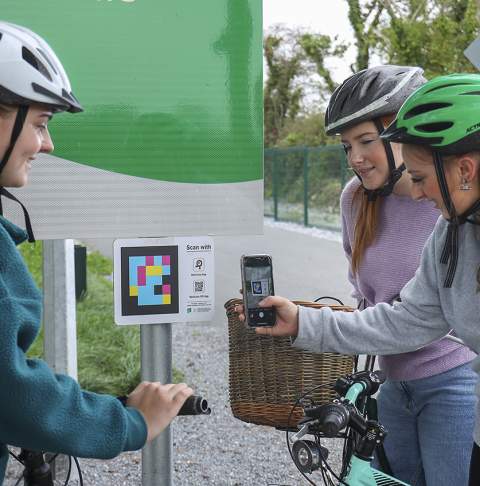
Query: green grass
x,y
108,355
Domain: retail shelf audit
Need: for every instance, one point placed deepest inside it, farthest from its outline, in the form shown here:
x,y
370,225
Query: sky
x,y
322,16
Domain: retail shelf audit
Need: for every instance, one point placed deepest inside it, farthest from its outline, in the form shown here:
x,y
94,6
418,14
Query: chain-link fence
x,y
303,184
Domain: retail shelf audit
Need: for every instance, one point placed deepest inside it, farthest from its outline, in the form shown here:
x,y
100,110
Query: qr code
x,y
199,285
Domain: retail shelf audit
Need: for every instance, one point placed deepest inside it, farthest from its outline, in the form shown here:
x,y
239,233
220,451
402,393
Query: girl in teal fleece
x,y
439,127
40,410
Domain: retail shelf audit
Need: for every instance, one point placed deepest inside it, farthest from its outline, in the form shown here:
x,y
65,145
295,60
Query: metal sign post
x,y
156,345
59,315
59,311
158,281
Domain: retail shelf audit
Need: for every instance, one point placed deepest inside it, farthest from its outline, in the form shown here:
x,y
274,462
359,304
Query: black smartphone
x,y
257,283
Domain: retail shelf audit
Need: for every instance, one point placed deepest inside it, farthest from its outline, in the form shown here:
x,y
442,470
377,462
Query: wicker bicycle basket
x,y
267,374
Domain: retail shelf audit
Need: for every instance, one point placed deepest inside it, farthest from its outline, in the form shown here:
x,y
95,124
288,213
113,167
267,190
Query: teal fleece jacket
x,y
41,410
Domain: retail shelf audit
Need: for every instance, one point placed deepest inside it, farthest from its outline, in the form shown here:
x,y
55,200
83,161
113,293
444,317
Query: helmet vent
x,y
443,86
473,93
47,59
434,127
426,108
370,82
33,60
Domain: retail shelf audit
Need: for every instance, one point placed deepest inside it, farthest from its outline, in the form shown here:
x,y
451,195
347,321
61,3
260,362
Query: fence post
x,y
275,185
305,186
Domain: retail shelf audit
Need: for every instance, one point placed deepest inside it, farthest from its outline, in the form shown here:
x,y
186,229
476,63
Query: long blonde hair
x,y
367,218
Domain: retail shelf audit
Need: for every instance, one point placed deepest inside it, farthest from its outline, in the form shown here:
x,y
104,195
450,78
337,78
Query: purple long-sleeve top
x,y
387,265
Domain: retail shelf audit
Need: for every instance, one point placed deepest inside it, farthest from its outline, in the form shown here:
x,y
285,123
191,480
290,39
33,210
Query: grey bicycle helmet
x,y
30,73
367,96
370,94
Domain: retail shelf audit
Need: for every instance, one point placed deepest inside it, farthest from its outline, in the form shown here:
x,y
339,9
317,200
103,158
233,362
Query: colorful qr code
x,y
147,279
152,286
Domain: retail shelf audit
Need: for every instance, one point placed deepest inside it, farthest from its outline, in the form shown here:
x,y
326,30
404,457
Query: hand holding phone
x,y
257,283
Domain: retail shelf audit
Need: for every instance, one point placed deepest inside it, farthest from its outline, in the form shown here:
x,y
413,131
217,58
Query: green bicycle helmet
x,y
443,115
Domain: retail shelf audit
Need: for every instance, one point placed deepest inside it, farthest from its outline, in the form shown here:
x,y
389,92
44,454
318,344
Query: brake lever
x,y
303,431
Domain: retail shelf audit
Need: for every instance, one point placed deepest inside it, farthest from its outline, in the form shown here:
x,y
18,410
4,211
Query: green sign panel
x,y
172,89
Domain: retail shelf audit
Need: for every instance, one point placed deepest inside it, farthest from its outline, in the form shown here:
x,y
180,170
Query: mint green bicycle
x,y
344,417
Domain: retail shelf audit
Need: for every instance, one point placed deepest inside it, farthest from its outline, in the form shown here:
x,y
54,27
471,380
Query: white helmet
x,y
30,72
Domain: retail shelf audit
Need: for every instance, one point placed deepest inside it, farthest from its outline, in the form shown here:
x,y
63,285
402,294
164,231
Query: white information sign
x,y
472,53
160,280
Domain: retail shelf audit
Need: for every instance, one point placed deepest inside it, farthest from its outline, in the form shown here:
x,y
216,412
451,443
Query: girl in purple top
x,y
427,402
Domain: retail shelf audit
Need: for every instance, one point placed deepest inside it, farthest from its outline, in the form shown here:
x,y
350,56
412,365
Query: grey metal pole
x,y
156,350
59,317
59,312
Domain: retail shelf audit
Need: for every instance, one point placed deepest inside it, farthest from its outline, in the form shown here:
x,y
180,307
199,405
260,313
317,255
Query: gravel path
x,y
208,450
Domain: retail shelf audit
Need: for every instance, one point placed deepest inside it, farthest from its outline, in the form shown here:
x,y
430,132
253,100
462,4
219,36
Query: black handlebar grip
x,y
334,418
195,405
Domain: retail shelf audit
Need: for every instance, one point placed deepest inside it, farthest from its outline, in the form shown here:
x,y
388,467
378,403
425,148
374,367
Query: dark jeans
x,y
475,466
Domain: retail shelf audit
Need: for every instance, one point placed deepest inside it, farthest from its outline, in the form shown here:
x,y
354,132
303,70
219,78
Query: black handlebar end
x,y
195,405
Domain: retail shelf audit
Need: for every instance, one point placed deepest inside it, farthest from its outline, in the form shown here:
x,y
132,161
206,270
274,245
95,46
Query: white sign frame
x,y
190,263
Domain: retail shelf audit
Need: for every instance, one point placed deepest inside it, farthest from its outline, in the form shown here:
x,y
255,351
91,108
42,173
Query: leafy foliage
x,y
429,33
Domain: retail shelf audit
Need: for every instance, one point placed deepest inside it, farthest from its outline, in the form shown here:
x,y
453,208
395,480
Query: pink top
x,y
387,265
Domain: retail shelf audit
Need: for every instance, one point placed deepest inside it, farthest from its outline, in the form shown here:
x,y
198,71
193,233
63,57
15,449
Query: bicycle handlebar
x,y
331,418
195,405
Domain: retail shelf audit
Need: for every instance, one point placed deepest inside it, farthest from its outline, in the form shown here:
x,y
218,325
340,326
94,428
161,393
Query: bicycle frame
x,y
361,473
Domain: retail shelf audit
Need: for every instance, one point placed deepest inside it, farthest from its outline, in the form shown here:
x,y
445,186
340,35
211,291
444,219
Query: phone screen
x,y
258,284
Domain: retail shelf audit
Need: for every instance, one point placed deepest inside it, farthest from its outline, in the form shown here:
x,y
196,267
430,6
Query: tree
x,y
317,49
297,80
429,33
282,96
364,18
307,130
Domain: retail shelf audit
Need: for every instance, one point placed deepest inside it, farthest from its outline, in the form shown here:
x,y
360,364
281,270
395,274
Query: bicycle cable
x,y
69,471
327,466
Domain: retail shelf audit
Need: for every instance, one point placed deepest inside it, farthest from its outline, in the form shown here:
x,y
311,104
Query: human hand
x,y
159,404
286,323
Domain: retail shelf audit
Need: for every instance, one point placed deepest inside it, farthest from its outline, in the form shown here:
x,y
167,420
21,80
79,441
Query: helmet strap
x,y
17,129
28,224
394,172
450,247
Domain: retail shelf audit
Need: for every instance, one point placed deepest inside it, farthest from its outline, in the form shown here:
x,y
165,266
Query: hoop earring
x,y
465,186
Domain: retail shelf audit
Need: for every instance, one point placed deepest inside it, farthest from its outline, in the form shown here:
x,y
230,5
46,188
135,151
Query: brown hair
x,y
6,110
365,226
367,218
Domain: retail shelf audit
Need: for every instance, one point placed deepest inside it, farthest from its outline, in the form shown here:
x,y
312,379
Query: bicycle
x,y
37,470
362,435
